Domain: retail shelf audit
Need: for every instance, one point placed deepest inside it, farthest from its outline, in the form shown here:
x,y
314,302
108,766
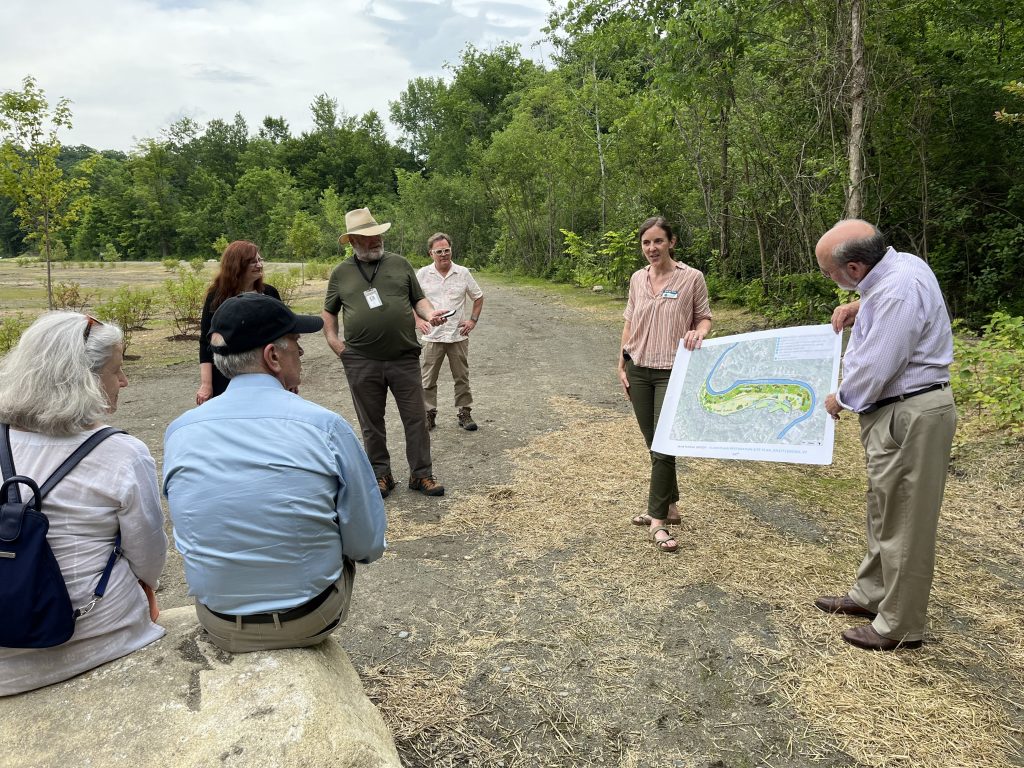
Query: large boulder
x,y
182,702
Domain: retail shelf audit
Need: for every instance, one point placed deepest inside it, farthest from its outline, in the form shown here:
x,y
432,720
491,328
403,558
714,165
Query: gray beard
x,y
370,257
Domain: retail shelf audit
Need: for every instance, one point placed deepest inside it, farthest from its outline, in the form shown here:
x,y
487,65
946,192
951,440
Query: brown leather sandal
x,y
663,544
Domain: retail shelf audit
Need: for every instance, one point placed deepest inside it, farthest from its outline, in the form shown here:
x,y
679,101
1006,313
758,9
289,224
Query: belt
x,y
897,398
282,616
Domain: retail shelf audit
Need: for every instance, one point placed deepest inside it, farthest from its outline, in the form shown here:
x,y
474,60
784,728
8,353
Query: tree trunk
x,y
858,93
600,155
726,213
46,247
758,226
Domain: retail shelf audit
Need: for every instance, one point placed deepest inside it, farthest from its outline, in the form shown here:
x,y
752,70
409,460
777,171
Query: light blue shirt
x,y
901,340
267,491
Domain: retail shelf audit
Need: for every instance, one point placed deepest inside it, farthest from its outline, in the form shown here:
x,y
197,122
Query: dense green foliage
x,y
730,117
990,371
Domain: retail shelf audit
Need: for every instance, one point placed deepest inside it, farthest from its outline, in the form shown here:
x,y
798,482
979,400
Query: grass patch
x,y
578,630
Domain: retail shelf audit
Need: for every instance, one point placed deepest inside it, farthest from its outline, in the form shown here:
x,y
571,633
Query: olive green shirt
x,y
387,332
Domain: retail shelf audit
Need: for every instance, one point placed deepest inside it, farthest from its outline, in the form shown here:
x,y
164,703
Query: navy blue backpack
x,y
34,601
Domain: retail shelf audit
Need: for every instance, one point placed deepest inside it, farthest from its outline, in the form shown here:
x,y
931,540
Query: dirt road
x,y
521,621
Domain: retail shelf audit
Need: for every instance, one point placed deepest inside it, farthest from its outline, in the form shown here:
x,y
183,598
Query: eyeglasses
x,y
442,251
90,321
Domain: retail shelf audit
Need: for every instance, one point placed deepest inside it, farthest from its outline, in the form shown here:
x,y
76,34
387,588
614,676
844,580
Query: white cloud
x,y
131,67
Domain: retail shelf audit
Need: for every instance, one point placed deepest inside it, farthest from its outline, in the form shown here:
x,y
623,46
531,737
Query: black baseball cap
x,y
252,320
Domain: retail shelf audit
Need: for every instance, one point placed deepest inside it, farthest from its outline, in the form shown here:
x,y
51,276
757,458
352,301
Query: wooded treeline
x,y
753,125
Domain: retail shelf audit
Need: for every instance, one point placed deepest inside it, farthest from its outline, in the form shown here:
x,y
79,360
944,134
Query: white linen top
x,y
449,291
113,488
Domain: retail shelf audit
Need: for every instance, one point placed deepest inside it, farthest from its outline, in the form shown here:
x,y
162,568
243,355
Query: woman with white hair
x,y
56,387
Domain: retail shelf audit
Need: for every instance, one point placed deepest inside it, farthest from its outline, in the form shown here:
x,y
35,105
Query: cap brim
x,y
379,229
308,324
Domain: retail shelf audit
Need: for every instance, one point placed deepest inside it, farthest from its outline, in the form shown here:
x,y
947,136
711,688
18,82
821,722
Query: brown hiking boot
x,y
431,419
428,486
386,484
466,421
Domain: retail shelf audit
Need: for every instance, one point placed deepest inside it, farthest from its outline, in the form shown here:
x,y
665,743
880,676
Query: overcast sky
x,y
133,67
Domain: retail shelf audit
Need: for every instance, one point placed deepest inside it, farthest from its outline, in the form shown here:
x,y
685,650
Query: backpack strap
x,y
7,464
80,453
101,585
7,460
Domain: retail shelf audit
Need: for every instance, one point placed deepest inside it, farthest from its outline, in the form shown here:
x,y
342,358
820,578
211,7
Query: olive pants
x,y
647,392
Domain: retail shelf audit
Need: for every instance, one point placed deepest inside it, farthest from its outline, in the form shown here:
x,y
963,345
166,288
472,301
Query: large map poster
x,y
755,396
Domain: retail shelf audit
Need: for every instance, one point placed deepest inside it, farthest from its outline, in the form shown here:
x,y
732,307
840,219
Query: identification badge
x,y
372,298
667,294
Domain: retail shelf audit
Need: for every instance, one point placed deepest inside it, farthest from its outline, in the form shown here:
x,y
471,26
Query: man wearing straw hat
x,y
377,293
896,379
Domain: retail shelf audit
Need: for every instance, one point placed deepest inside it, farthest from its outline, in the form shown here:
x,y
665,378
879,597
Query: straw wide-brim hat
x,y
361,222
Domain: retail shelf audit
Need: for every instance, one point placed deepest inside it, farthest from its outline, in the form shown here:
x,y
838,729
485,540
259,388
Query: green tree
x,y
29,175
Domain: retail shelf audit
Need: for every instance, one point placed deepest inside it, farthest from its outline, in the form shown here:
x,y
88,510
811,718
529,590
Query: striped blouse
x,y
658,322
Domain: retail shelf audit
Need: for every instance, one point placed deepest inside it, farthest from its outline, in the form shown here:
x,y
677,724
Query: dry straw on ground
x,y
571,629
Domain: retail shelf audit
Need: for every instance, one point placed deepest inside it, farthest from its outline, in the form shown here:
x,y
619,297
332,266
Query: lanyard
x,y
359,266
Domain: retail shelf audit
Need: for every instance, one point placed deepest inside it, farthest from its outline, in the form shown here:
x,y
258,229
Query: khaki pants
x,y
434,353
312,629
906,446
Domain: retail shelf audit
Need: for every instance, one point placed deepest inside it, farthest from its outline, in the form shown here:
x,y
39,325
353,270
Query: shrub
x,y
989,372
197,264
109,254
287,284
130,308
171,265
185,294
11,328
609,262
70,296
318,270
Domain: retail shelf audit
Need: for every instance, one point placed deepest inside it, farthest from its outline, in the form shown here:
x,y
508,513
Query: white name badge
x,y
667,294
372,298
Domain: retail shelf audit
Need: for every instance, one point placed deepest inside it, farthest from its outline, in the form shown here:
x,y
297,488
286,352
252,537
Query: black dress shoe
x,y
867,638
843,604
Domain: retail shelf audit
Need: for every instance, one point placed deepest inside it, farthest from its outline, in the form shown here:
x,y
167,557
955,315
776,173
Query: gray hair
x,y
250,361
49,383
865,250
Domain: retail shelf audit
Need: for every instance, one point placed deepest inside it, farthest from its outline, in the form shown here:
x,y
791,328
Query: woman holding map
x,y
668,301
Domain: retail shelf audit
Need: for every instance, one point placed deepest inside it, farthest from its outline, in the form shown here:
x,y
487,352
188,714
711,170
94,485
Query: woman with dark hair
x,y
56,388
241,271
668,301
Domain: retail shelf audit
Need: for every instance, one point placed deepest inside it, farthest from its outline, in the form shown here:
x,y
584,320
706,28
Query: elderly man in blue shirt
x,y
272,497
896,379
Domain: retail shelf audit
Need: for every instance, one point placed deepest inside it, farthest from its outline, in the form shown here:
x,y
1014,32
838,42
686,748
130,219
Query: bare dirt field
x,y
521,620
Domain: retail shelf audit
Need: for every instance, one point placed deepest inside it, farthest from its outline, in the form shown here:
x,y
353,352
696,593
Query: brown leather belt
x,y
282,616
897,398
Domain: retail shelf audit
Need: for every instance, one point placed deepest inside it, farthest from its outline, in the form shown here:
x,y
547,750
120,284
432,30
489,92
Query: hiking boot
x,y
466,421
386,484
428,486
431,419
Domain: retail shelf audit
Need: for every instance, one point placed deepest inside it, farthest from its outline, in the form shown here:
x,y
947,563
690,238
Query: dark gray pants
x,y
369,381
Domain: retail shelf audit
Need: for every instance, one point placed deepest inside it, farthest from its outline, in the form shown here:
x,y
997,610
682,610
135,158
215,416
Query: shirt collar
x,y
884,265
254,381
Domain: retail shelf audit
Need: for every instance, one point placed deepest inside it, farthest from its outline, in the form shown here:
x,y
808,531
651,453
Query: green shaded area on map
x,y
775,398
